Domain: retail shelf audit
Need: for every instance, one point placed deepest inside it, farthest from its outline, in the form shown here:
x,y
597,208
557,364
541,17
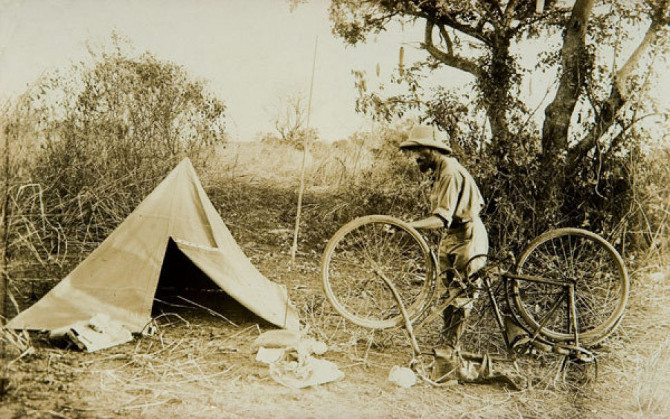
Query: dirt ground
x,y
198,364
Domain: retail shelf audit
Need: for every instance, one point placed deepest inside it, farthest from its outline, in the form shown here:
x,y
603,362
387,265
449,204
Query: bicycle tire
x,y
600,291
362,250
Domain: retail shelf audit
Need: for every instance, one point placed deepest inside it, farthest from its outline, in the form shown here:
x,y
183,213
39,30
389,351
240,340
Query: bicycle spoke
x,y
591,265
357,258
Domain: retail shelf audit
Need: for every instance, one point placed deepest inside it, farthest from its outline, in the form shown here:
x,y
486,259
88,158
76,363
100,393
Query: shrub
x,y
96,140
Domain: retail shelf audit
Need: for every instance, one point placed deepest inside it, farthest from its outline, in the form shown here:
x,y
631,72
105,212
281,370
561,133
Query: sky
x,y
252,53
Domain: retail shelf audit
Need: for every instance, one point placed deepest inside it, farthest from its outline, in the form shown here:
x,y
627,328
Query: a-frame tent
x,y
120,277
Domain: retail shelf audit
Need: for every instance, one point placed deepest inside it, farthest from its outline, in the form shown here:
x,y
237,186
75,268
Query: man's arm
x,y
429,223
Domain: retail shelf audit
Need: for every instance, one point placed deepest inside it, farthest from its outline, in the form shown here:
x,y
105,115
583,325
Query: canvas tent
x,y
120,277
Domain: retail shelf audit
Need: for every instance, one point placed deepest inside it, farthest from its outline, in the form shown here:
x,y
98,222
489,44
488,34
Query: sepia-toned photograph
x,y
334,208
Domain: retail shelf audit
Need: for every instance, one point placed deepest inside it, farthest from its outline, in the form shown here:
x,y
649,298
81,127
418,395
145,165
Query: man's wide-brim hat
x,y
424,136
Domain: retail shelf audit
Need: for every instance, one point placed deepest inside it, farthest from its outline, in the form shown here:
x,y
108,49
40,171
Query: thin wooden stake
x,y
4,274
301,191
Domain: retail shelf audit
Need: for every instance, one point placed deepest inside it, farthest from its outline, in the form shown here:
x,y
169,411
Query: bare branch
x,y
430,14
448,58
650,37
447,39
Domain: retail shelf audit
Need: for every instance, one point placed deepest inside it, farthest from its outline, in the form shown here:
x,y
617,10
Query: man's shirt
x,y
455,196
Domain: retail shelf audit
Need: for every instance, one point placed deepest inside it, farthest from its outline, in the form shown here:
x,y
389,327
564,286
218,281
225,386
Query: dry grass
x,y
639,364
189,362
199,365
327,166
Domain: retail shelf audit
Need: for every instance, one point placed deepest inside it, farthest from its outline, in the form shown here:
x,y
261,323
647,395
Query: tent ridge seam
x,y
195,245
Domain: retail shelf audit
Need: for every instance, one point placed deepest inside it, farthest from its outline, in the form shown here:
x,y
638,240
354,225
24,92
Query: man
x,y
455,203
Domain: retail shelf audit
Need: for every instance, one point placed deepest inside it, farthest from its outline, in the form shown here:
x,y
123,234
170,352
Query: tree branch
x,y
448,58
620,92
447,39
509,11
633,61
438,17
497,15
535,18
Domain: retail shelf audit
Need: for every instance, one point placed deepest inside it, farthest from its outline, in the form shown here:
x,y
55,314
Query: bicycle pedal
x,y
584,357
540,346
561,350
519,343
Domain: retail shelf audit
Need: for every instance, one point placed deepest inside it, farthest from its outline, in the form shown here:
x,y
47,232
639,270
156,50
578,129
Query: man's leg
x,y
448,361
454,315
454,325
465,256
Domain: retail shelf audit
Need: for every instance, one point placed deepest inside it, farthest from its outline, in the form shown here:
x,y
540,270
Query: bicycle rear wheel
x,y
363,253
587,311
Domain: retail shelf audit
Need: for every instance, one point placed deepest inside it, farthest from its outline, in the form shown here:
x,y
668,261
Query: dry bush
x,y
647,221
344,180
366,174
83,146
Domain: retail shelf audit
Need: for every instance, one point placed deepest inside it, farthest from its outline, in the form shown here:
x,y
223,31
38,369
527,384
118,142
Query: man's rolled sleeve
x,y
440,214
446,193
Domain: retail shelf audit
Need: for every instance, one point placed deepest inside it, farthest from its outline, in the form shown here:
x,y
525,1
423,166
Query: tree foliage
x,y
575,161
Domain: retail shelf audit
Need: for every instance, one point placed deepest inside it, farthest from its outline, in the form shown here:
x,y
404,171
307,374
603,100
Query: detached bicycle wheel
x,y
590,303
364,254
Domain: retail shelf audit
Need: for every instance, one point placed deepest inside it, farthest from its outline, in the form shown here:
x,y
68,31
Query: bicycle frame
x,y
568,290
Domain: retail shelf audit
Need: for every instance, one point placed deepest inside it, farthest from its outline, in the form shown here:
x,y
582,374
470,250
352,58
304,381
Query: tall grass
x,y
255,186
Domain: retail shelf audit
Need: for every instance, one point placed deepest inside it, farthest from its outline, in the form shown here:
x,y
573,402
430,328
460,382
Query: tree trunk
x,y
496,83
574,64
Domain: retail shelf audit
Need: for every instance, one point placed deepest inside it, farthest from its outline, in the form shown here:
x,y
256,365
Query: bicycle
x,y
567,291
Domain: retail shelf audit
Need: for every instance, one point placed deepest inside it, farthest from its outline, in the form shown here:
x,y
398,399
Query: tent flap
x,y
238,277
